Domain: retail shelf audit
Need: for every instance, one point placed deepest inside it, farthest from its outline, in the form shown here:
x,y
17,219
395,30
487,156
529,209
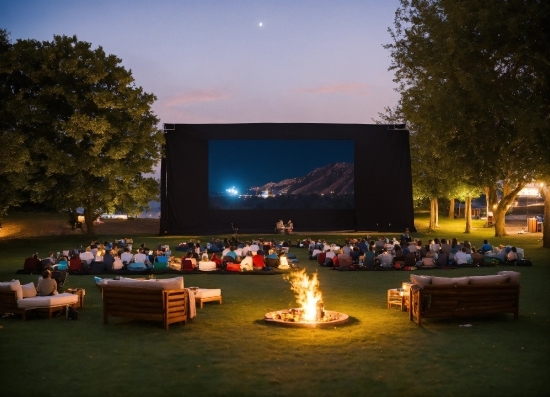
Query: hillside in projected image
x,y
281,174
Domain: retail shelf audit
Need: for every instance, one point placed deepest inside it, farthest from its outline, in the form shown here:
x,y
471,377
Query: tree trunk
x,y
468,214
452,209
89,218
491,200
545,190
499,214
436,204
433,212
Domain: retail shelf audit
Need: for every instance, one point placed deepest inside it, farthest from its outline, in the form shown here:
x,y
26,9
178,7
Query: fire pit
x,y
311,312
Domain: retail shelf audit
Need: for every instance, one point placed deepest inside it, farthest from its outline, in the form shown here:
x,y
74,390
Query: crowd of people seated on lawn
x,y
233,253
367,252
406,253
96,258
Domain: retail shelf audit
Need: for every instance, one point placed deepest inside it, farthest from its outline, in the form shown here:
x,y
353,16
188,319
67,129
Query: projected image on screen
x,y
276,174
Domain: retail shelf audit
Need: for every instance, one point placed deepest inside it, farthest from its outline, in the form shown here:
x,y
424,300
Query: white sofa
x,y
19,299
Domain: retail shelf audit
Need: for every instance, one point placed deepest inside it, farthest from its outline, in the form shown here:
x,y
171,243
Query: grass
x,y
228,350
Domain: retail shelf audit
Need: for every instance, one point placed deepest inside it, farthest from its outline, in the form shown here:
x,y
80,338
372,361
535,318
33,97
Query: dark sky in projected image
x,y
244,164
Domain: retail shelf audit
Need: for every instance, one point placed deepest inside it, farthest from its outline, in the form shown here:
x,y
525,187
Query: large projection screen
x,y
382,179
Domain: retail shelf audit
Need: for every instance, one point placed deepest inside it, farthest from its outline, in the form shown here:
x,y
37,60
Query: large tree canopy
x,y
477,72
89,132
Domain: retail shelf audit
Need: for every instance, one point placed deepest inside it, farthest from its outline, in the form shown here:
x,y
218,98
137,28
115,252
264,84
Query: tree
x,y
467,193
478,71
89,130
14,166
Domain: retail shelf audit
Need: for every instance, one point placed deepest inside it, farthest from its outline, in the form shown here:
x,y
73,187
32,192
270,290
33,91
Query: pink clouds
x,y
343,88
197,96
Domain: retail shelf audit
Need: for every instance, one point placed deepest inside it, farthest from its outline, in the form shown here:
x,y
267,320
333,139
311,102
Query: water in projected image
x,y
272,174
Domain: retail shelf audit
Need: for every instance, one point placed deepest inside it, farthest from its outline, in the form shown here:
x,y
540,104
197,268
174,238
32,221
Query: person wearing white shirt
x,y
254,247
461,257
330,256
385,259
87,256
247,263
126,256
141,257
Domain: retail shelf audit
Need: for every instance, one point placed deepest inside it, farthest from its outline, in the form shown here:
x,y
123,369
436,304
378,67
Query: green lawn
x,y
228,350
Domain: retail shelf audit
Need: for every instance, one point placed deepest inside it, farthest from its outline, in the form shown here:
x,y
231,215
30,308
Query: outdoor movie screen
x,y
280,174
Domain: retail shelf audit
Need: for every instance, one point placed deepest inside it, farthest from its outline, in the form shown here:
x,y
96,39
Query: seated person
x,y
233,254
329,256
47,285
445,247
486,247
87,256
246,263
368,258
500,255
32,264
461,257
75,263
47,263
355,255
477,257
108,260
379,245
142,257
206,264
512,256
126,256
315,252
385,259
344,260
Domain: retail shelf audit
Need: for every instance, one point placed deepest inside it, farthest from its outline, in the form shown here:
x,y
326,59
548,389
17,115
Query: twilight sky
x,y
211,61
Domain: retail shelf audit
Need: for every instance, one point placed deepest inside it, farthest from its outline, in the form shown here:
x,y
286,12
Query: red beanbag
x,y
233,267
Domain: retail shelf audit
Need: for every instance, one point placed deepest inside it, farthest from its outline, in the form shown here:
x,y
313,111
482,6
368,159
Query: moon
x,y
261,24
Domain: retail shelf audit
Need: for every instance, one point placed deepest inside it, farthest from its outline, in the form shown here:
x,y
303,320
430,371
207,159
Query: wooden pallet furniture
x,y
8,304
44,304
168,306
440,301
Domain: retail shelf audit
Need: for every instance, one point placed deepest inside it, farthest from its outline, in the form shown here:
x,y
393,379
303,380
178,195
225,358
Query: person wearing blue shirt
x,y
486,247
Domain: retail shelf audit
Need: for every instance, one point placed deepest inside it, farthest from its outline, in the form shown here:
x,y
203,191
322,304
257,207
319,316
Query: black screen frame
x,y
382,179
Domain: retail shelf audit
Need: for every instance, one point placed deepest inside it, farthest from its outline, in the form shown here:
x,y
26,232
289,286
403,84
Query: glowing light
x,y
232,191
261,24
307,292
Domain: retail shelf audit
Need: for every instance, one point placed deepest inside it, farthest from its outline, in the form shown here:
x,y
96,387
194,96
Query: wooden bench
x,y
168,306
439,301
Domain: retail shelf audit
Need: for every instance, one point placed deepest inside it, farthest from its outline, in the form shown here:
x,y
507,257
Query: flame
x,y
307,293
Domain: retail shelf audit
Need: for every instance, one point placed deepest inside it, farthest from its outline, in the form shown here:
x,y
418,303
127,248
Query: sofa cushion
x,y
47,301
421,280
513,277
450,280
166,283
208,293
13,285
491,279
29,290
